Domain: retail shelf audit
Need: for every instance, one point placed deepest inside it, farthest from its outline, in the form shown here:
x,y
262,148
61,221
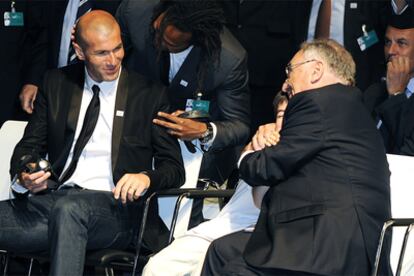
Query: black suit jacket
x,y
225,85
45,55
137,144
329,187
396,114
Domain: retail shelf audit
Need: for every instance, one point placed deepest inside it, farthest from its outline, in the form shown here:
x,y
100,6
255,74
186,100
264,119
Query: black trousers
x,y
225,257
66,223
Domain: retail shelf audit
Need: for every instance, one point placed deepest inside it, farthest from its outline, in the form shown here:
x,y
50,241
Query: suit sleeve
x,y
301,138
35,59
34,140
233,100
168,164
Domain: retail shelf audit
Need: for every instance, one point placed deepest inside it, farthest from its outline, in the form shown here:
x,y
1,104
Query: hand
x,y
185,129
398,74
266,136
27,97
131,186
34,182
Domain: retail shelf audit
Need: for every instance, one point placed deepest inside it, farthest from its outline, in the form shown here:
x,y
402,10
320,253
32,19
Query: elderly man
x,y
94,122
390,102
328,179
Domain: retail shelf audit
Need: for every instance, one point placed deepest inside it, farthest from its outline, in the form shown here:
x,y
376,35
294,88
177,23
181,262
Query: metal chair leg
x,y
30,267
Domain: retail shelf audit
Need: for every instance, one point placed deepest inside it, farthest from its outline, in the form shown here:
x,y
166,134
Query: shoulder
x,y
231,49
143,85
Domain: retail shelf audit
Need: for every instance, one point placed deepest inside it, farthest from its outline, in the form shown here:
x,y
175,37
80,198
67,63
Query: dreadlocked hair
x,y
203,18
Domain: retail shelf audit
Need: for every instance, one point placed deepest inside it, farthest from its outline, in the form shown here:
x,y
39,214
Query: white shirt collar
x,y
106,87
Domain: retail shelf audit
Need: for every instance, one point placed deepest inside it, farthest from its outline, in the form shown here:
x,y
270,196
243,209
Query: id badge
x,y
200,105
367,40
13,19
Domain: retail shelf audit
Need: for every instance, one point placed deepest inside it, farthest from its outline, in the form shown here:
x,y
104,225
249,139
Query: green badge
x,y
367,40
13,19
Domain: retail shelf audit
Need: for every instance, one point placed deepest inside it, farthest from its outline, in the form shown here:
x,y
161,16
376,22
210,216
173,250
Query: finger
x,y
169,117
131,193
124,191
118,187
177,112
42,179
38,188
137,194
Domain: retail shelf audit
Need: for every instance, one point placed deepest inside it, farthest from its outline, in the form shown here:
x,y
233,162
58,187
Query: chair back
x,y
10,133
402,206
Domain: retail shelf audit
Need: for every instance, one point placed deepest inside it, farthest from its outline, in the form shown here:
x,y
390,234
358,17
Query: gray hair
x,y
338,59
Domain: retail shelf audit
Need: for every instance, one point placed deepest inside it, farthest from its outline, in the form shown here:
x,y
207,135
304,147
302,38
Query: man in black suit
x,y
52,44
390,102
100,172
328,176
184,45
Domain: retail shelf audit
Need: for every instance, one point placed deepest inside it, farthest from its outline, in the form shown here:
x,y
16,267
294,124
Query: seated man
x,y
94,122
390,102
328,179
186,254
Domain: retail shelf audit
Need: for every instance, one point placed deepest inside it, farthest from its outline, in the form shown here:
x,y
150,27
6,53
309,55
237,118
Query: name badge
x,y
367,40
200,105
13,19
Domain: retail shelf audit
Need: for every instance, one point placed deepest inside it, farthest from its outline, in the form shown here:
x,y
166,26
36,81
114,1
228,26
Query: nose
x,y
393,49
111,58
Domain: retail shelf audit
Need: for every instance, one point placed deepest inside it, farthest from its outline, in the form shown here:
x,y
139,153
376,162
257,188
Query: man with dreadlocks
x,y
185,45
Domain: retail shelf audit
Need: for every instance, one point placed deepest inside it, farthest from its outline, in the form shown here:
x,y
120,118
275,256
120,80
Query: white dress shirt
x,y
94,168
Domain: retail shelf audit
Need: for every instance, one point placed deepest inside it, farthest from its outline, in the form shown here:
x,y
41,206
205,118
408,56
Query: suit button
x,y
239,26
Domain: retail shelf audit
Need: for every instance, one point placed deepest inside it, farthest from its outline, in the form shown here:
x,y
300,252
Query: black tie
x,y
84,7
89,123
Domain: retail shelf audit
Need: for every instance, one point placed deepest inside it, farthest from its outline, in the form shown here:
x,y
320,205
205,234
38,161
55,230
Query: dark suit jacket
x,y
396,114
329,187
136,141
16,44
225,86
46,54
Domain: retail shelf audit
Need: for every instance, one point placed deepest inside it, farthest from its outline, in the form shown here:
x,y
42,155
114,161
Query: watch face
x,y
43,165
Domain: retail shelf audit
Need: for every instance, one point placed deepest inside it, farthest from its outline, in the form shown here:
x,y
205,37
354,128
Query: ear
x,y
78,50
317,72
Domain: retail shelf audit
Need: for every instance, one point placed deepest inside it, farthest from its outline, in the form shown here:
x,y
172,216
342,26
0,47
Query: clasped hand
x,y
182,128
398,74
34,182
266,136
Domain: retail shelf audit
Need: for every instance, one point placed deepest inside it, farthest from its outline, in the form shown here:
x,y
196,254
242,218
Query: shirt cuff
x,y
16,187
242,156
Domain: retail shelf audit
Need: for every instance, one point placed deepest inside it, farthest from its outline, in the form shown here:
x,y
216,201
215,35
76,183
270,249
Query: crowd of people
x,y
113,85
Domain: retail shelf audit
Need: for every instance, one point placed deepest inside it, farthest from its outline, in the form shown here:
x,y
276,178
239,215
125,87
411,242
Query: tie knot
x,y
95,89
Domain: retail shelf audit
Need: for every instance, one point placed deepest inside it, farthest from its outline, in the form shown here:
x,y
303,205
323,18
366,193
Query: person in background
x,y
390,101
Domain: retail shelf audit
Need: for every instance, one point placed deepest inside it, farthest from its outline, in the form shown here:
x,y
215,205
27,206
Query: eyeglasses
x,y
289,68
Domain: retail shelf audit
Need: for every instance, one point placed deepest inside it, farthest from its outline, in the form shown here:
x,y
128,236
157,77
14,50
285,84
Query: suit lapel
x,y
73,88
184,84
118,124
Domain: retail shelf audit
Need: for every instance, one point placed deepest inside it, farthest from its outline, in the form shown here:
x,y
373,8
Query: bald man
x,y
93,120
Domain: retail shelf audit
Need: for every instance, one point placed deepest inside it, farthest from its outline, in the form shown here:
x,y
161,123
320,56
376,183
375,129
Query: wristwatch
x,y
207,135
